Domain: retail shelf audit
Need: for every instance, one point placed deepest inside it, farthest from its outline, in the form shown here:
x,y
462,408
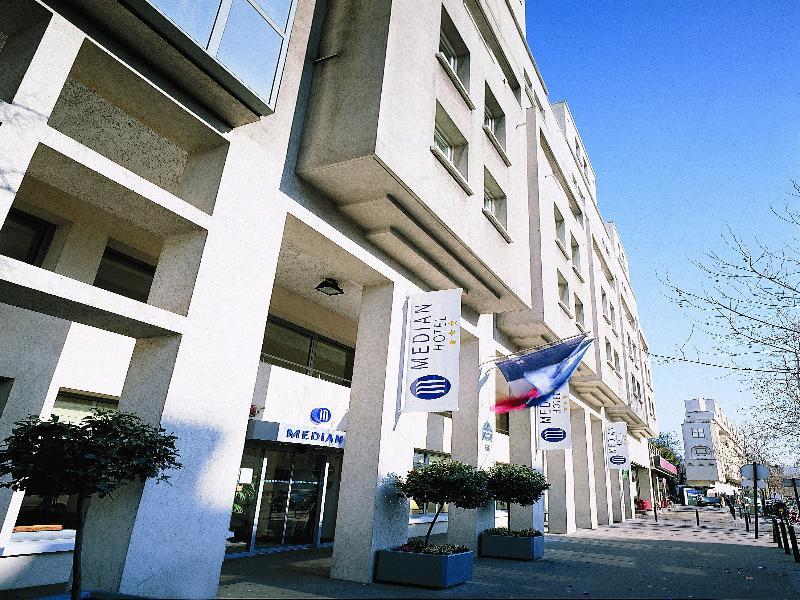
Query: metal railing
x,y
304,369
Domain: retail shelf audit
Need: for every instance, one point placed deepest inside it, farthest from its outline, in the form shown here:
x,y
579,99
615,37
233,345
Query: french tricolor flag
x,y
534,377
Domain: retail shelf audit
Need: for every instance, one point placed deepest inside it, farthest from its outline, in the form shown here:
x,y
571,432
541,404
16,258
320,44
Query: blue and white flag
x,y
534,377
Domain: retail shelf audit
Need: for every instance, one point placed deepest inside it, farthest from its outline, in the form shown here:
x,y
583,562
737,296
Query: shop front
x,y
286,498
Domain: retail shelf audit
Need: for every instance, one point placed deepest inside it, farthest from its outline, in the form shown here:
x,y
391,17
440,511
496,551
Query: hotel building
x,y
212,214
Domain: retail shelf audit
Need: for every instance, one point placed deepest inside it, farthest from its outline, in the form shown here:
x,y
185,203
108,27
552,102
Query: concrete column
x,y
32,345
602,475
617,504
25,118
644,486
628,493
522,447
169,540
561,495
583,466
473,427
370,516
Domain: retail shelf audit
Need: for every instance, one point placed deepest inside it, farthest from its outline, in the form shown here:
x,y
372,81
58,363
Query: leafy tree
x,y
445,482
749,308
516,484
104,451
668,446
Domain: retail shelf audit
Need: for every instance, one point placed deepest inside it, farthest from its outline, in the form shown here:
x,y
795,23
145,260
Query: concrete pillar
x,y
522,450
583,468
561,495
473,427
602,475
25,119
370,516
169,540
617,504
644,486
628,494
32,345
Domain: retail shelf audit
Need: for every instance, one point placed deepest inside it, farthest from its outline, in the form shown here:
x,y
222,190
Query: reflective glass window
x,y
125,275
195,17
25,237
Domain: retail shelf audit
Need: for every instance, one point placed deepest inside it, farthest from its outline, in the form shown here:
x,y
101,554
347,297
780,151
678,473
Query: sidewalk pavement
x,y
635,559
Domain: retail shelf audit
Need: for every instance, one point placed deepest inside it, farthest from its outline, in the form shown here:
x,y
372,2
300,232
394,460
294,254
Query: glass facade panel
x,y
195,17
25,237
334,361
250,48
301,516
244,502
287,347
124,275
278,11
272,513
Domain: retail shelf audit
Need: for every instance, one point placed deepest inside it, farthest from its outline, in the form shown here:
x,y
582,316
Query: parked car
x,y
714,501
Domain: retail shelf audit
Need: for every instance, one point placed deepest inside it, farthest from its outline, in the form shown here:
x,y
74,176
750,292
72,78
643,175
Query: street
x,y
635,559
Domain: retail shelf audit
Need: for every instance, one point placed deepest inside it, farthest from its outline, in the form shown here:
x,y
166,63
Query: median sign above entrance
x,y
433,343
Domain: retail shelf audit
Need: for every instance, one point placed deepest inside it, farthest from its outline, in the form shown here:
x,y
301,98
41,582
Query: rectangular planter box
x,y
428,570
517,548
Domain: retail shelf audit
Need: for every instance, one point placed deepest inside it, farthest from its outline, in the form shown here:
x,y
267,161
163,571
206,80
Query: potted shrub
x,y
521,485
418,562
105,451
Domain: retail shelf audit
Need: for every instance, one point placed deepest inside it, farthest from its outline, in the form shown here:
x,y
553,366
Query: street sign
x,y
748,483
762,472
791,483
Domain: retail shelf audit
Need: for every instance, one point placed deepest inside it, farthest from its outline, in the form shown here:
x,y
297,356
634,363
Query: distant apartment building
x,y
212,214
713,446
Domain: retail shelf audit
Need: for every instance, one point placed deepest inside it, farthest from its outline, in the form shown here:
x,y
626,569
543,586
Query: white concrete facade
x,y
714,447
238,203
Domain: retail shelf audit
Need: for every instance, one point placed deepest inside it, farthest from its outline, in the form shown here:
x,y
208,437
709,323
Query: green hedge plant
x,y
106,450
445,482
516,484
505,531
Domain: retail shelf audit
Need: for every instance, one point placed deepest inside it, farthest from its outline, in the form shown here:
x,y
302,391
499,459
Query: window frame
x,y
156,18
46,231
315,338
126,259
695,431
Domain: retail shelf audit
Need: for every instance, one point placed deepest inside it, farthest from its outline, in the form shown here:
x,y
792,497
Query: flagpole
x,y
531,349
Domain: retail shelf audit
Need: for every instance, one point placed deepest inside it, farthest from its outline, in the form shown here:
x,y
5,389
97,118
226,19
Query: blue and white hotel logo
x,y
321,415
553,434
430,387
618,460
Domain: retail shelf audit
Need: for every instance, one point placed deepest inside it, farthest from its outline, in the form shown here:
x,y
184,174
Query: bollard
x,y
775,537
697,516
793,539
785,538
747,522
655,512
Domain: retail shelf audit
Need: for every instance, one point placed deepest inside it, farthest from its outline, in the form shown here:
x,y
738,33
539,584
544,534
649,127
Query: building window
x,y
25,237
248,37
422,459
701,451
616,361
609,353
561,227
59,513
494,200
125,275
455,51
612,315
575,253
580,317
604,302
452,145
501,423
563,290
698,433
291,347
493,117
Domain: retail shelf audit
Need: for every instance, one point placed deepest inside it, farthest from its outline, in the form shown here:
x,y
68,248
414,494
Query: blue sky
x,y
690,113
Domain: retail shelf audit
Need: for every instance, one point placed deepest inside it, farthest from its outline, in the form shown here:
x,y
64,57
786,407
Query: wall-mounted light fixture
x,y
329,287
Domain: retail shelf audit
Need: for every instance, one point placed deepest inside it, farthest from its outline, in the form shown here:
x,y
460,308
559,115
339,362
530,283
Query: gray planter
x,y
516,548
427,570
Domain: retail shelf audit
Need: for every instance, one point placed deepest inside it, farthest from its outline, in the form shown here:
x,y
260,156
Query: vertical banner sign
x,y
617,446
553,430
432,349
